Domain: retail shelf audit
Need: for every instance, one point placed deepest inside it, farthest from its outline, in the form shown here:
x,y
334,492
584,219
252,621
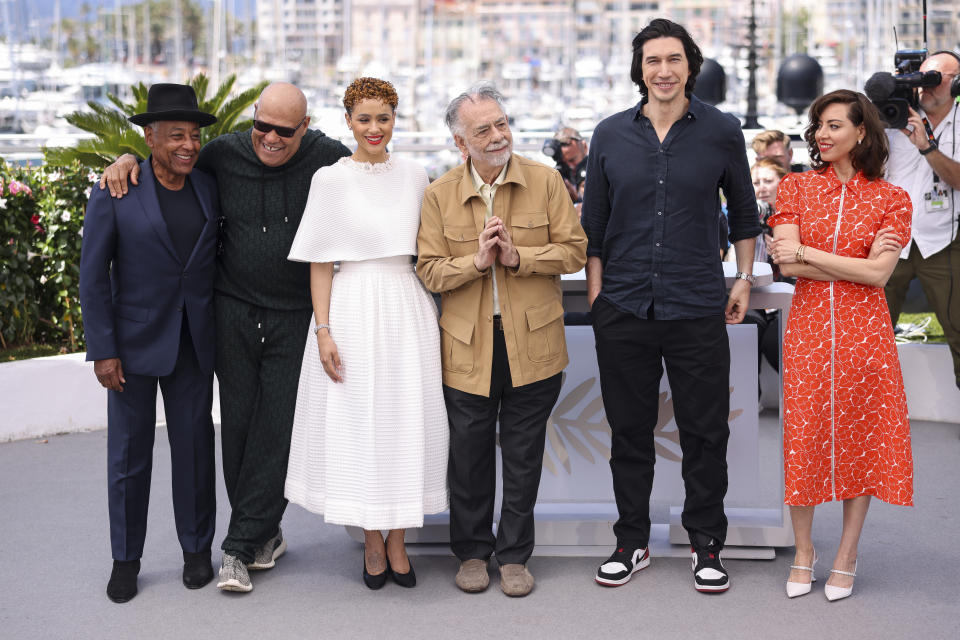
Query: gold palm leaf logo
x,y
588,434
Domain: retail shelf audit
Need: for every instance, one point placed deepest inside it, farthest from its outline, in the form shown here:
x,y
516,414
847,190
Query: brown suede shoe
x,y
472,576
515,580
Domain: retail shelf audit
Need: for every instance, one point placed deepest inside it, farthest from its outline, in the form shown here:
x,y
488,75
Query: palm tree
x,y
115,135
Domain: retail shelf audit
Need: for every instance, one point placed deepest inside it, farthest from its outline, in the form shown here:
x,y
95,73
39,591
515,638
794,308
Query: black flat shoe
x,y
374,581
408,579
197,569
122,586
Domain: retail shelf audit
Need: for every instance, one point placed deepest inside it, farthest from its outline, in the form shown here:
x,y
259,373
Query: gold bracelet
x,y
800,254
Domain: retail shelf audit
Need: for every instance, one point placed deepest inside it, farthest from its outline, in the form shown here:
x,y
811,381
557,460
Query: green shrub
x,y
41,218
19,224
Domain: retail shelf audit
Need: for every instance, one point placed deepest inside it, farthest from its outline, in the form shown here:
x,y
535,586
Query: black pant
x,y
471,471
259,353
131,427
697,354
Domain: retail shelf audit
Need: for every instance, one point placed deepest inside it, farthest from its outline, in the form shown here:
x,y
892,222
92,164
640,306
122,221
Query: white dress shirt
x,y
932,230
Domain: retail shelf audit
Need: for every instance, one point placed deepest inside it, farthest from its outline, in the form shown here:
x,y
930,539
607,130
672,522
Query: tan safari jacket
x,y
537,211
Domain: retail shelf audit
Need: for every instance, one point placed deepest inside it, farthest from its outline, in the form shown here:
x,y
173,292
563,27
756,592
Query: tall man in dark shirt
x,y
656,287
263,311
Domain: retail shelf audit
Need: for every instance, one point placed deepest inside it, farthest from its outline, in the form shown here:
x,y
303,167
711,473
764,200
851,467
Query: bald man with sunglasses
x,y
263,308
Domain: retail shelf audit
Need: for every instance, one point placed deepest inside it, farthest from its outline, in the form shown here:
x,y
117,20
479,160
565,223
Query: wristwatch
x,y
933,147
752,279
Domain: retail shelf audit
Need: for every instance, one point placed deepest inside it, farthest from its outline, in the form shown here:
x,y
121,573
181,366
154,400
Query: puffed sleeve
x,y
788,202
898,213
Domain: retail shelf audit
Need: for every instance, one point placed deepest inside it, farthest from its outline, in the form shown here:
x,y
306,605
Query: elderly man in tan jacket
x,y
496,233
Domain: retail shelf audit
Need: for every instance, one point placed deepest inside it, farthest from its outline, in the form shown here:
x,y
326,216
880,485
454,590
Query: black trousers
x,y
131,427
939,276
471,471
259,353
697,355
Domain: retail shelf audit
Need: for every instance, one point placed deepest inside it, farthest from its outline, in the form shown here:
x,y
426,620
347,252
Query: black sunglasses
x,y
283,132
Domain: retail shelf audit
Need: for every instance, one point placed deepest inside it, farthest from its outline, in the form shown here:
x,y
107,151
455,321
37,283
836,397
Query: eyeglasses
x,y
283,132
567,143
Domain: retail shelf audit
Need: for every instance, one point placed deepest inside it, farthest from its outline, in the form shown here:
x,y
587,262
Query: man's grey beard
x,y
499,157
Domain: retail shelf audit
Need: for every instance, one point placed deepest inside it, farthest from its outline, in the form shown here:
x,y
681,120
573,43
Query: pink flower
x,y
17,187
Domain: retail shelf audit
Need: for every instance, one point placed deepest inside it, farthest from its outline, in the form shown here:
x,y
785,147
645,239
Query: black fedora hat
x,y
172,102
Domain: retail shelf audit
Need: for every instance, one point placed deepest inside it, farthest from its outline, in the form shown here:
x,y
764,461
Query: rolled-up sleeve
x,y
741,198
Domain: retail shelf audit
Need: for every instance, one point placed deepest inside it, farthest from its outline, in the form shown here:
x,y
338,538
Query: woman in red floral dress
x,y
839,230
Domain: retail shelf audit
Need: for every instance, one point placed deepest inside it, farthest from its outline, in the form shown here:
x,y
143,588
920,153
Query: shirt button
x,y
661,150
530,225
655,274
661,182
659,213
658,244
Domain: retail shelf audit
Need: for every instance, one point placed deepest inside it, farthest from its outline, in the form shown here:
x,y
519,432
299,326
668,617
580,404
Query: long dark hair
x,y
663,28
871,154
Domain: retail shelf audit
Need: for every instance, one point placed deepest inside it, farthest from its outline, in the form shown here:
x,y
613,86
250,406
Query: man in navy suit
x,y
146,288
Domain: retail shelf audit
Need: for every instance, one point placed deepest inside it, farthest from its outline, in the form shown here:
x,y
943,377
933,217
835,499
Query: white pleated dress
x,y
370,451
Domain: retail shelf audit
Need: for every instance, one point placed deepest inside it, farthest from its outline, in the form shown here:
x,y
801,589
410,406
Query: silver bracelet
x,y
317,328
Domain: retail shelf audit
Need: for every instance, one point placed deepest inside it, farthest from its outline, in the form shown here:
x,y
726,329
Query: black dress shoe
x,y
374,581
197,569
123,580
408,579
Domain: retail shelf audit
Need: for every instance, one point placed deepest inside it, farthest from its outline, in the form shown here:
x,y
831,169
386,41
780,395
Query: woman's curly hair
x,y
369,89
870,155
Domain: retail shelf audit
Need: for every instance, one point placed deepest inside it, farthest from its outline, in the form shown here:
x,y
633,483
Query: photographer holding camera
x,y
569,150
924,161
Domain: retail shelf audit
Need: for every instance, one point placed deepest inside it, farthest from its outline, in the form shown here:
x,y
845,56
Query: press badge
x,y
937,199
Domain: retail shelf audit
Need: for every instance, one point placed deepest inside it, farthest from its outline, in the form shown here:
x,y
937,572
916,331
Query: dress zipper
x,y
833,357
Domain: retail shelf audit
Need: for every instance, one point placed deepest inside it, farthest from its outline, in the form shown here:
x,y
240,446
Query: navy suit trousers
x,y
187,400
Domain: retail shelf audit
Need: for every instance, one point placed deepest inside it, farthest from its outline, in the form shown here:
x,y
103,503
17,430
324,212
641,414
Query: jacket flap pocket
x,y
457,327
530,220
544,314
461,234
127,312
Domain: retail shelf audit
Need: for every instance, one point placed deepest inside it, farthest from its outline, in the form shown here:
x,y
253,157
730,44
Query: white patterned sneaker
x,y
266,556
233,574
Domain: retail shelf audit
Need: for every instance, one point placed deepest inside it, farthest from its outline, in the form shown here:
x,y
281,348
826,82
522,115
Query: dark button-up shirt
x,y
651,209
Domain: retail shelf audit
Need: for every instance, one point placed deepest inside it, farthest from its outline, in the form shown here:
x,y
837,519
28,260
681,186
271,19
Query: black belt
x,y
498,323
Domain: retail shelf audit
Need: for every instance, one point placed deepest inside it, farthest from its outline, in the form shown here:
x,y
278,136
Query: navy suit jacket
x,y
133,287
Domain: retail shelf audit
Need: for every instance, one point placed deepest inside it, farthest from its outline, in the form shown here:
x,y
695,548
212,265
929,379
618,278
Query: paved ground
x,y
56,561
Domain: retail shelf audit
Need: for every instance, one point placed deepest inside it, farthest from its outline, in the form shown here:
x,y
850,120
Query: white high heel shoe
x,y
795,589
839,593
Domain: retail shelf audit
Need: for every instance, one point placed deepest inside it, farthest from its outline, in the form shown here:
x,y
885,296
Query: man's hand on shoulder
x,y
115,176
109,373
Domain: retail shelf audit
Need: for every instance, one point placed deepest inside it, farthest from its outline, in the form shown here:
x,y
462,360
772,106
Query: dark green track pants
x,y
259,353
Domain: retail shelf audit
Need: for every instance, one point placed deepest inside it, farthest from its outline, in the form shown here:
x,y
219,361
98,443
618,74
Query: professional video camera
x,y
894,94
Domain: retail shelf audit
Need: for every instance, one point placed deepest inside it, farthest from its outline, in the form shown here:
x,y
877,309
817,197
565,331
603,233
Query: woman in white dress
x,y
370,435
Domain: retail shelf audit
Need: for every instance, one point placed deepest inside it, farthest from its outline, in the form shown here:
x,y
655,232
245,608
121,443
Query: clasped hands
x,y
495,244
784,250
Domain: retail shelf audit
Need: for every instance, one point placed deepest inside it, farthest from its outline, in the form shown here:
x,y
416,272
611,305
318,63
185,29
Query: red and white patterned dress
x,y
846,432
